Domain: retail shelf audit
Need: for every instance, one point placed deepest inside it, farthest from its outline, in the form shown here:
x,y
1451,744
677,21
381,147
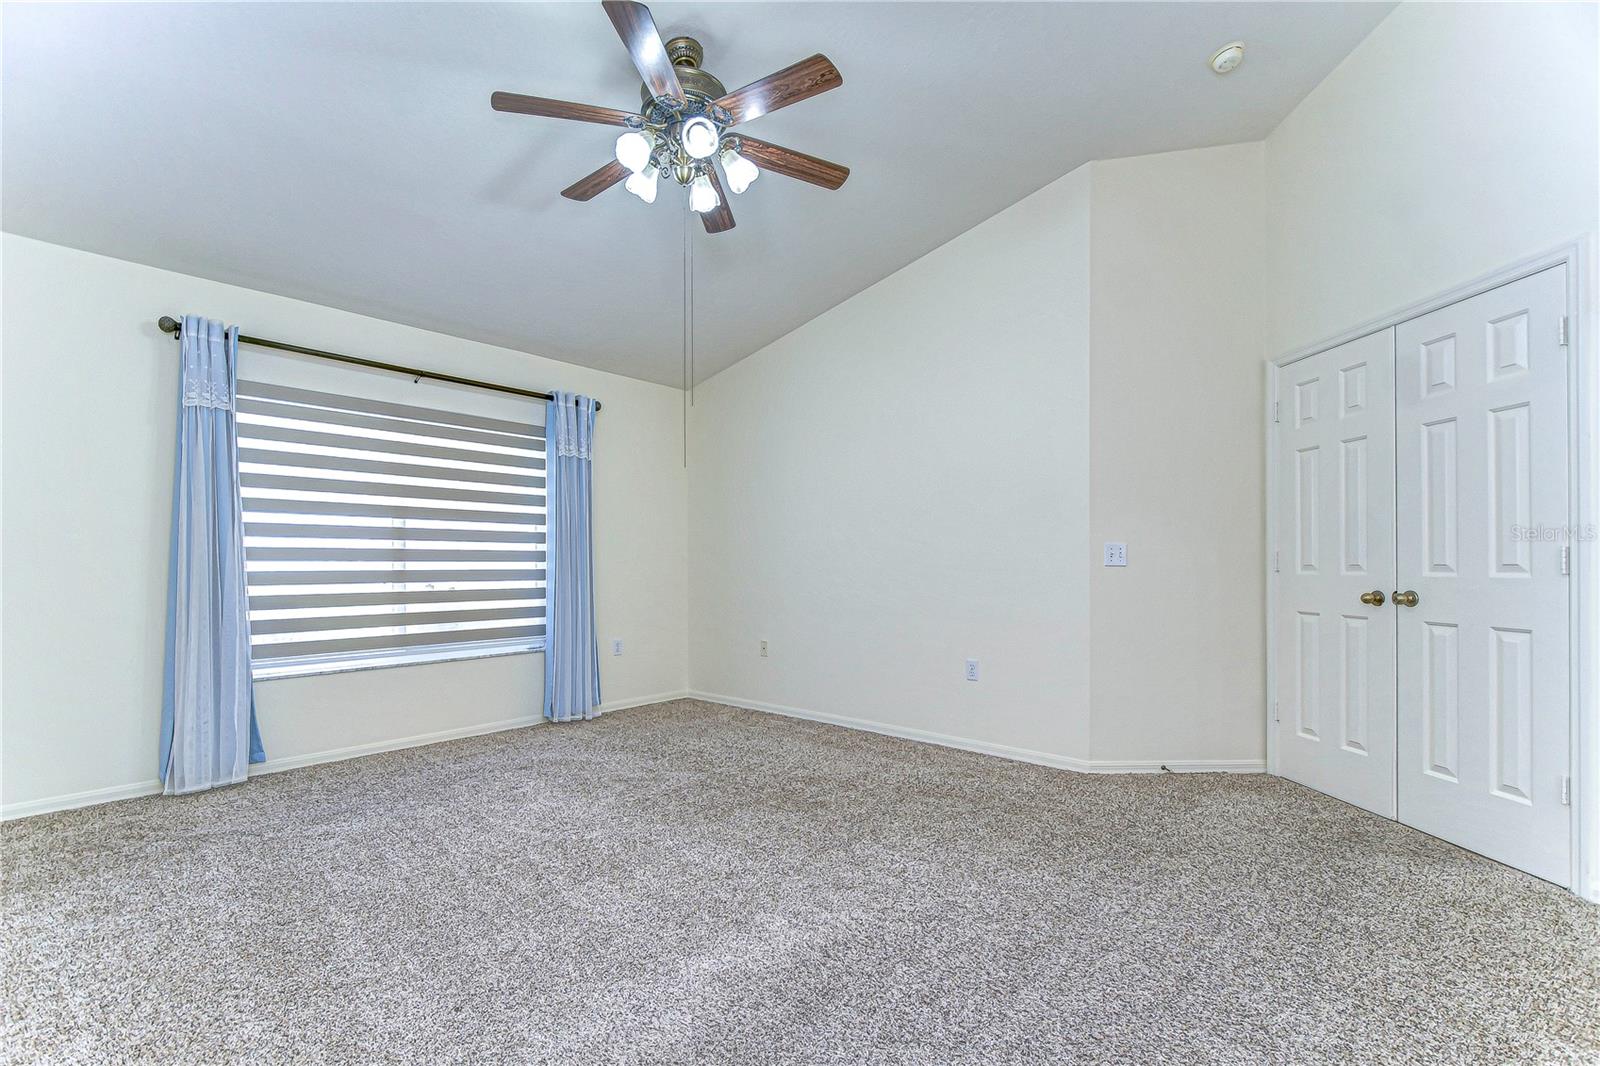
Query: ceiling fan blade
x,y
518,104
790,85
638,32
587,188
794,164
720,218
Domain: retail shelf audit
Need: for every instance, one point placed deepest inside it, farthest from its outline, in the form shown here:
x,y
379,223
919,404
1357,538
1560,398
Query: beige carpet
x,y
693,883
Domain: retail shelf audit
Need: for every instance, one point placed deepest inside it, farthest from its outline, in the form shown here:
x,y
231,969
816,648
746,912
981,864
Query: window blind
x,y
374,530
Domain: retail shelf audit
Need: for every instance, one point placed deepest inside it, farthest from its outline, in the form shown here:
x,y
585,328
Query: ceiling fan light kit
x,y
682,126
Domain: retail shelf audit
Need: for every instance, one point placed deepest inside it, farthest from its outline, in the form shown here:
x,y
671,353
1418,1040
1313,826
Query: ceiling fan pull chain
x,y
684,333
689,236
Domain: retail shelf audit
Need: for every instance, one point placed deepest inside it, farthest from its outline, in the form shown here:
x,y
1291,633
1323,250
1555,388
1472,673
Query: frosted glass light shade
x,y
702,197
633,150
741,172
699,137
643,184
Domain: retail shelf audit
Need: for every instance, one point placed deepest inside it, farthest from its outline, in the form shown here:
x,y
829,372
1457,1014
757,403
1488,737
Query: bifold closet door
x,y
1482,499
1335,562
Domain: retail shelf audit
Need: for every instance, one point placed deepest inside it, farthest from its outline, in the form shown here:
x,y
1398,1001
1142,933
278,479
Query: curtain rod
x,y
171,325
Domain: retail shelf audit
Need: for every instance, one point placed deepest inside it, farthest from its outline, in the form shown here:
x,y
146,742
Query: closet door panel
x,y
1482,510
1335,543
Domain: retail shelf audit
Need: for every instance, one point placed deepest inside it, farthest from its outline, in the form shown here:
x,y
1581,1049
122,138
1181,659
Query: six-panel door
x,y
1335,670
1482,495
1431,461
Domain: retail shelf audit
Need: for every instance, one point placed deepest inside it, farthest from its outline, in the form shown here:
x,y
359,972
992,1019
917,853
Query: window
x,y
379,533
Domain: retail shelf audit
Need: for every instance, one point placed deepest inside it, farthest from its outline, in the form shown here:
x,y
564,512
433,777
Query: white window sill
x,y
345,664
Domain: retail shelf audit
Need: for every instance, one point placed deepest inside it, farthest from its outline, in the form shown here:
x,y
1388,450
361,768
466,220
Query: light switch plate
x,y
1116,553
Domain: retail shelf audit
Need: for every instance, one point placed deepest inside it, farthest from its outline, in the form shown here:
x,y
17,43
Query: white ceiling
x,y
346,154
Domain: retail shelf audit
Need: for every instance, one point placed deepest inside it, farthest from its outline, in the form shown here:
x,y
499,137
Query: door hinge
x,y
1275,402
1566,792
1563,331
1274,710
1566,559
1274,560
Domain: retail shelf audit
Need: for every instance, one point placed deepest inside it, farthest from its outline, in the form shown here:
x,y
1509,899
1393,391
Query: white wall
x,y
927,472
88,437
900,484
1175,456
1456,139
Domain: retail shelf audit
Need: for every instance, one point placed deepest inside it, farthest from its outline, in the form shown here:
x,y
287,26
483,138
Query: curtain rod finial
x,y
169,324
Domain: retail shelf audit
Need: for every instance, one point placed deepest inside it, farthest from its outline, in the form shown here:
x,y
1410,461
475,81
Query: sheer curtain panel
x,y
571,659
208,726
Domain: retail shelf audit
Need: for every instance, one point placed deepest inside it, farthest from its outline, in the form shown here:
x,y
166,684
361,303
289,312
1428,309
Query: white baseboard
x,y
357,751
71,800
152,787
1178,766
291,762
1005,751
92,797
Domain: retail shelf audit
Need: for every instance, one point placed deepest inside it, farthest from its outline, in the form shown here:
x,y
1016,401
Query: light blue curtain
x,y
208,722
571,655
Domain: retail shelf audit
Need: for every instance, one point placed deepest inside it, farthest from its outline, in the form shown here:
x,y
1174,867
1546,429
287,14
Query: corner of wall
x,y
1176,334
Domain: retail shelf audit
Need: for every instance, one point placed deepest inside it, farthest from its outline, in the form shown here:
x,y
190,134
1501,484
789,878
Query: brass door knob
x,y
1405,599
1373,598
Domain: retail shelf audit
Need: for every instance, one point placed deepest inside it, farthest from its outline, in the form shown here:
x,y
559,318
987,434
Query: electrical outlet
x,y
972,669
763,649
1116,554
616,647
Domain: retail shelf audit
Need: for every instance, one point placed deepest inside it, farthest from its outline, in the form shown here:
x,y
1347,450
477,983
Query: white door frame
x,y
1583,407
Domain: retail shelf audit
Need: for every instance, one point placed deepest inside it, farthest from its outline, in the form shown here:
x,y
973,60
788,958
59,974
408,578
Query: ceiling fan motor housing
x,y
686,54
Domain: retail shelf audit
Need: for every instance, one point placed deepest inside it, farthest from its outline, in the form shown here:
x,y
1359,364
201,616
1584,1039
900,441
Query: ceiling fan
x,y
682,127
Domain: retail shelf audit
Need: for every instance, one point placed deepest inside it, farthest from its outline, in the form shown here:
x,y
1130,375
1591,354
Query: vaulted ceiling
x,y
346,154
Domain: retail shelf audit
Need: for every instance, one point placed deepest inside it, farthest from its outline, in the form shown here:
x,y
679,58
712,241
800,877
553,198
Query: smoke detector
x,y
1227,57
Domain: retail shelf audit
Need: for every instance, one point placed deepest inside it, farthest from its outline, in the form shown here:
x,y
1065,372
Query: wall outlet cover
x,y
616,647
972,669
1116,553
763,649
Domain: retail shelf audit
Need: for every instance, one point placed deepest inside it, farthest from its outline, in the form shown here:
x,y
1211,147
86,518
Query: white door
x,y
1335,544
1482,499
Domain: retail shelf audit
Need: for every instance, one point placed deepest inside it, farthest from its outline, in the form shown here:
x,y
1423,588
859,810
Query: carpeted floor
x,y
693,883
